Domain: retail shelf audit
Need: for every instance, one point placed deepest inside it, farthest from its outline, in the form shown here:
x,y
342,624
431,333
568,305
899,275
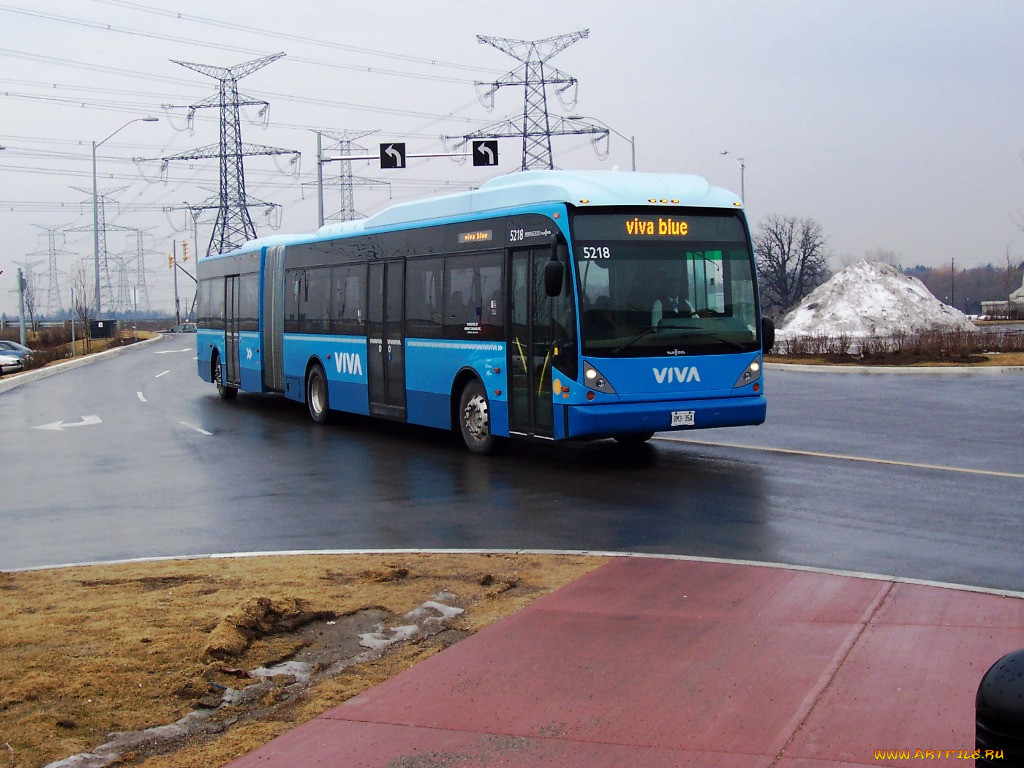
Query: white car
x,y
10,364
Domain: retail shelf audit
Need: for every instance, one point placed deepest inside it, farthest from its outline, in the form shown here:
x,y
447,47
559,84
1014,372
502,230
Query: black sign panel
x,y
392,155
485,152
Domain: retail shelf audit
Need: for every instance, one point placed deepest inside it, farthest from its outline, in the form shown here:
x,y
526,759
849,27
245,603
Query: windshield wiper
x,y
643,334
652,330
728,342
671,327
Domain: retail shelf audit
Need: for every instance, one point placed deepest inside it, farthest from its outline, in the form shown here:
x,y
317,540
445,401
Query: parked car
x,y
9,363
19,351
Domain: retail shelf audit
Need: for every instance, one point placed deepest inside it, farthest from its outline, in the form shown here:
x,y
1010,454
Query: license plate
x,y
682,418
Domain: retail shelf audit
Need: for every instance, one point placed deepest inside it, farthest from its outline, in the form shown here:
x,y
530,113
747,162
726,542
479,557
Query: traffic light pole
x,y
174,263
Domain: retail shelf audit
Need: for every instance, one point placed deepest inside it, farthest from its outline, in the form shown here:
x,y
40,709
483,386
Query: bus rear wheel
x,y
316,395
475,419
225,392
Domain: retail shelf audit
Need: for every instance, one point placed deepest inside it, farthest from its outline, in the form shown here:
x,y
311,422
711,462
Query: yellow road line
x,y
844,457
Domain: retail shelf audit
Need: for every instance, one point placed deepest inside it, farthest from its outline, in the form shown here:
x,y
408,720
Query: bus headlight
x,y
594,380
750,375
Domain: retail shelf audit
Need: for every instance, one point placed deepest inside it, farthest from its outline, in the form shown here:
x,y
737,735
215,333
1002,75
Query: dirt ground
x,y
93,659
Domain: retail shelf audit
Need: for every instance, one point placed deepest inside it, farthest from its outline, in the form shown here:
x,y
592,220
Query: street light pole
x,y
742,163
96,204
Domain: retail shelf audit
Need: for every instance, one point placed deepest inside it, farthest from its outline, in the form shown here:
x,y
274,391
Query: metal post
x,y
319,180
632,144
96,205
21,302
72,321
96,230
952,283
174,268
742,163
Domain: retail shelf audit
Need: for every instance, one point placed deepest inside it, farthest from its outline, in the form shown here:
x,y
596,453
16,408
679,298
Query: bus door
x,y
531,346
232,375
385,352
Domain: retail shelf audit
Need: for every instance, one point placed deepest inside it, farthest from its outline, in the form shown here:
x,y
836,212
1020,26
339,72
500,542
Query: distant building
x,y
998,309
1017,300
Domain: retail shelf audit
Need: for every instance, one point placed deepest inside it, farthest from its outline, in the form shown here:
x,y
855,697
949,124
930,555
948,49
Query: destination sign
x,y
480,236
663,226
657,226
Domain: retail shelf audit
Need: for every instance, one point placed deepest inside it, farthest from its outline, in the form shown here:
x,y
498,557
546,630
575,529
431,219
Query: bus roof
x,y
597,188
580,188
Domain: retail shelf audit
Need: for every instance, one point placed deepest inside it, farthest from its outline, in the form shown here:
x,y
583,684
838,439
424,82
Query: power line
x,y
234,224
534,76
104,27
139,106
235,27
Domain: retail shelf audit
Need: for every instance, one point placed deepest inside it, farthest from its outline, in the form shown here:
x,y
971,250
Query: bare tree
x,y
80,284
792,261
884,256
1009,276
31,301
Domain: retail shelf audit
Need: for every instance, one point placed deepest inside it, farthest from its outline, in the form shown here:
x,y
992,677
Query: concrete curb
x,y
610,554
12,380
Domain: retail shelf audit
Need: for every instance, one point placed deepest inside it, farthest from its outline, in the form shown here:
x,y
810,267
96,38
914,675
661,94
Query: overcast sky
x,y
896,125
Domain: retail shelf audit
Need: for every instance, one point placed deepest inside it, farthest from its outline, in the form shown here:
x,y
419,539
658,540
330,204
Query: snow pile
x,y
871,299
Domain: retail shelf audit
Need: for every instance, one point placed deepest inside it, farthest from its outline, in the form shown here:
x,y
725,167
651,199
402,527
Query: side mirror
x,y
767,334
554,271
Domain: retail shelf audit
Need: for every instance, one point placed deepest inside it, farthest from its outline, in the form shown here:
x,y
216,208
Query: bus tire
x,y
634,438
475,419
317,399
225,392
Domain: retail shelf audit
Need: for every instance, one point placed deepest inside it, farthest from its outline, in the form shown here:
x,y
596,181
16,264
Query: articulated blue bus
x,y
556,305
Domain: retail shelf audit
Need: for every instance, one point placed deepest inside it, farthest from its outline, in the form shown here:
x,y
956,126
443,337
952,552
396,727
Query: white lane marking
x,y
141,396
161,374
844,457
59,426
172,351
200,430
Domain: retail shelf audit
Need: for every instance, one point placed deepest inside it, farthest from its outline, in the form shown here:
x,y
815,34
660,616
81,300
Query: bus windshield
x,y
666,282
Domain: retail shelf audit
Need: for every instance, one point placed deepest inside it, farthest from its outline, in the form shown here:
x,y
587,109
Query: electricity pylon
x,y
346,181
536,127
53,299
233,225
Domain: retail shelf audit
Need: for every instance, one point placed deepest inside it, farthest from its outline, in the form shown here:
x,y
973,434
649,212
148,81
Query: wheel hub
x,y
475,417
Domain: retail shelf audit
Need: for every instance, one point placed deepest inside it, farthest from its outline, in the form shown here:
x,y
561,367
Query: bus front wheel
x,y
316,395
634,438
475,419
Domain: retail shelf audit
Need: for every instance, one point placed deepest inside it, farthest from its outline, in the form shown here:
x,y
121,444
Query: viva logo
x,y
677,375
348,362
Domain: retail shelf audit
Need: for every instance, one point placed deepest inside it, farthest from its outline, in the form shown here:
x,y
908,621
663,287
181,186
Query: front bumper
x,y
609,419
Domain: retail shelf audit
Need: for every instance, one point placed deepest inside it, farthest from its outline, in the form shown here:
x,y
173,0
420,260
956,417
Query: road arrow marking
x,y
59,426
142,397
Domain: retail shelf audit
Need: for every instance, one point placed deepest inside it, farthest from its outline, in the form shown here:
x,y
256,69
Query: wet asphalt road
x,y
912,475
